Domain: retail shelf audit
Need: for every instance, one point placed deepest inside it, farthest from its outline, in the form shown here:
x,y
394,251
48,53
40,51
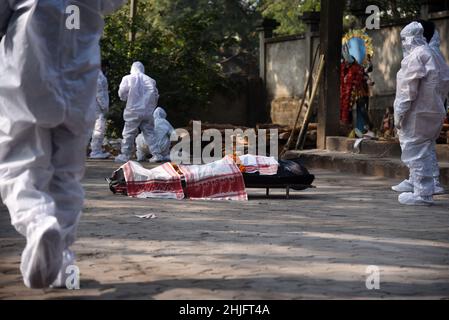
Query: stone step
x,y
385,149
359,164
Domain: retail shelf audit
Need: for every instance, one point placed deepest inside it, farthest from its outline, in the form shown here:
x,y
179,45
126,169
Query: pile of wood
x,y
284,133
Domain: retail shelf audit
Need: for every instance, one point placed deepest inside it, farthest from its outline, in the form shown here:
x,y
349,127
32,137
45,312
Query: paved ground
x,y
318,244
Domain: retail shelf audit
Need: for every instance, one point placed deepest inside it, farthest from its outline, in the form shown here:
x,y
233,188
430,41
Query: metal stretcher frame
x,y
251,182
287,187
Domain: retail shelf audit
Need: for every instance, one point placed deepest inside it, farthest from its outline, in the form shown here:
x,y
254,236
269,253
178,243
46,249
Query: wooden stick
x,y
302,135
303,102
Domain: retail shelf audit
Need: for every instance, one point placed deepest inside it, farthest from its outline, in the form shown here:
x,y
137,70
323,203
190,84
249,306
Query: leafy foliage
x,y
287,13
181,43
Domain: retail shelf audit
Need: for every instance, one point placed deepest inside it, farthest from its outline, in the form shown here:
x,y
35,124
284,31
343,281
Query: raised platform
x,y
377,148
375,159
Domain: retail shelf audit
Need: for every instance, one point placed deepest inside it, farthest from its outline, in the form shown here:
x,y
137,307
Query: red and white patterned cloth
x,y
161,182
266,166
219,180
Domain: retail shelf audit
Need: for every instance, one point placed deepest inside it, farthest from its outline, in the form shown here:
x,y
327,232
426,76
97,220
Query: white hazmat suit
x,y
160,149
443,68
102,107
419,113
141,94
48,75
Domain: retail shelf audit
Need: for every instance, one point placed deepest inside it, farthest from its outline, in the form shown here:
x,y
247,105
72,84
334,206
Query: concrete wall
x,y
387,62
224,109
285,68
286,63
240,106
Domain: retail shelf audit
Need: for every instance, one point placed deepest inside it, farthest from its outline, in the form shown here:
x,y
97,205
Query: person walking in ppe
x,y
433,38
102,107
419,114
47,89
141,94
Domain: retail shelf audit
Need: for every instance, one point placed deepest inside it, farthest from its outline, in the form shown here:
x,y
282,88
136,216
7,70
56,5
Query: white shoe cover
x,y
404,186
100,155
68,259
121,159
412,200
42,257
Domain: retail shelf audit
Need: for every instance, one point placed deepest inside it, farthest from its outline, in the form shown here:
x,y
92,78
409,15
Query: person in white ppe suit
x,y
419,113
141,94
102,107
443,68
160,150
48,75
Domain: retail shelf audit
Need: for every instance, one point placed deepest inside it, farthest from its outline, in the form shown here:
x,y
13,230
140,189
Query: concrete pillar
x,y
312,22
331,33
265,30
425,10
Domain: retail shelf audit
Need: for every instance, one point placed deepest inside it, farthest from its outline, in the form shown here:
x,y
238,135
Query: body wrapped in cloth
x,y
224,179
220,180
135,181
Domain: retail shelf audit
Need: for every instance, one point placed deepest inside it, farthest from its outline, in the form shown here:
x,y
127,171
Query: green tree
x,y
287,13
181,43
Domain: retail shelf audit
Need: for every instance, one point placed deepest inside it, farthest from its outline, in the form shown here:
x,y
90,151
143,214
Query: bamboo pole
x,y
303,102
302,135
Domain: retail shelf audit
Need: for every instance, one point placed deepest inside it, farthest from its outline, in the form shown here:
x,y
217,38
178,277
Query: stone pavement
x,y
316,245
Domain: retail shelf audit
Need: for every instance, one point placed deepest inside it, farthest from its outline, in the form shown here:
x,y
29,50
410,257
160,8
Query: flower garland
x,y
353,87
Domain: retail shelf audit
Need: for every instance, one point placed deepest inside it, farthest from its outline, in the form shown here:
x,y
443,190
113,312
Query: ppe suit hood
x,y
159,113
412,37
137,67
